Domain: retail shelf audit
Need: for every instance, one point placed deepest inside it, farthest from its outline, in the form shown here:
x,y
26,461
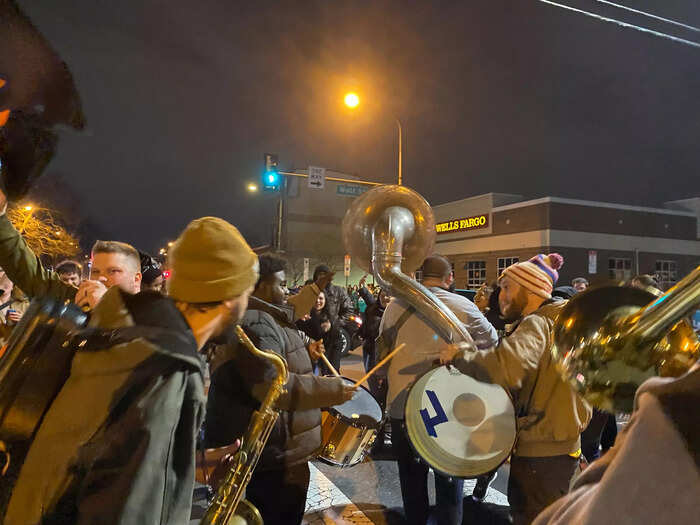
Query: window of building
x,y
620,268
666,274
419,276
505,262
476,274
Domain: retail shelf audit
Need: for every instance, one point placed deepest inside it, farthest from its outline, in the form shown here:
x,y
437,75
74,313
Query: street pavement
x,y
369,493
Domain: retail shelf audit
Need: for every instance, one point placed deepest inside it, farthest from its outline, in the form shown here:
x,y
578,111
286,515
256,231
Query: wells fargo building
x,y
600,241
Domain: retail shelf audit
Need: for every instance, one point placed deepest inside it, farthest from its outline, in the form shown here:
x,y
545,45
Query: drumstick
x,y
329,365
379,364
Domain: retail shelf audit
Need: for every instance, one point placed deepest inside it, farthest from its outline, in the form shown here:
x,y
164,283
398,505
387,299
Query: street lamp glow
x,y
352,100
252,187
27,208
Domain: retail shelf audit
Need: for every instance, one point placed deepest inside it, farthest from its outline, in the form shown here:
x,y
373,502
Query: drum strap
x,y
387,339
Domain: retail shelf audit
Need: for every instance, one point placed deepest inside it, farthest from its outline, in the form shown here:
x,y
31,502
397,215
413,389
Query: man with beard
x,y
280,482
117,445
550,414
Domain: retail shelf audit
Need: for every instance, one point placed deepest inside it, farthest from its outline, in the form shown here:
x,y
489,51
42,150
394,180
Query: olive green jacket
x,y
24,268
117,446
551,416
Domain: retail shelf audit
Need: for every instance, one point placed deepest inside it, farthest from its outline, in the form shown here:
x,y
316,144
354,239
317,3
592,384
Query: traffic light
x,y
271,179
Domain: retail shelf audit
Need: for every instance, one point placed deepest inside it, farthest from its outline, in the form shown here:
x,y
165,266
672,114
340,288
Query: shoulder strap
x,y
387,339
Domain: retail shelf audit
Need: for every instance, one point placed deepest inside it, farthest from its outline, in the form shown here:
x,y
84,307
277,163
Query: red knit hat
x,y
539,274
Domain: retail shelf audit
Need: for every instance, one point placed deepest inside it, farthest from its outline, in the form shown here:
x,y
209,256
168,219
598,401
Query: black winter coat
x,y
239,385
338,304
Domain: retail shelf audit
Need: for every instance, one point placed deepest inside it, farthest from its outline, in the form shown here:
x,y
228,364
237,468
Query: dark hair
x,y
321,268
577,280
269,264
436,266
494,315
67,267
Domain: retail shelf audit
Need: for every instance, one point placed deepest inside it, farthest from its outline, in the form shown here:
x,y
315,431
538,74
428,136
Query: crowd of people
x,y
168,393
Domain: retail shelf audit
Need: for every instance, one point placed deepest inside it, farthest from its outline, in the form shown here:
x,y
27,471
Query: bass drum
x,y
459,426
33,368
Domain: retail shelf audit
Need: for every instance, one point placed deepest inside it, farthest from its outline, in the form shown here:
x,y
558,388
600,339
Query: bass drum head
x,y
362,411
460,426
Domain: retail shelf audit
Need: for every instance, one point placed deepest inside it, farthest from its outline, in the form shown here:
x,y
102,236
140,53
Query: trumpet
x,y
609,340
228,506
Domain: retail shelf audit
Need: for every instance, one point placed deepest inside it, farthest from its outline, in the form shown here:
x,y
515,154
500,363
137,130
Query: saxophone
x,y
228,506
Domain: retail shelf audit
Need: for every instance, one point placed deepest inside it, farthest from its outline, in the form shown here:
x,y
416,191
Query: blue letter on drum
x,y
440,416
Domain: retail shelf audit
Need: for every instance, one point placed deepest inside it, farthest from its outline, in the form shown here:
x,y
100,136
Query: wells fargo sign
x,y
460,225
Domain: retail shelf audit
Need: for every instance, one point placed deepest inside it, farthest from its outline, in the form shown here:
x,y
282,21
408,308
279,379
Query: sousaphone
x,y
457,425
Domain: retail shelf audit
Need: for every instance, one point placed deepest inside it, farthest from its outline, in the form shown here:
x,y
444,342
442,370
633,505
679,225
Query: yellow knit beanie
x,y
210,262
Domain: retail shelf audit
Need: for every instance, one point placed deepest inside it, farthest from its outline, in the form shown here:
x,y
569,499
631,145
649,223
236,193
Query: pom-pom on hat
x,y
539,274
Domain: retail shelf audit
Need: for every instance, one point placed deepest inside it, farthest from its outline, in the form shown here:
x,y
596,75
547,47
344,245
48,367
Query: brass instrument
x,y
389,231
611,339
228,506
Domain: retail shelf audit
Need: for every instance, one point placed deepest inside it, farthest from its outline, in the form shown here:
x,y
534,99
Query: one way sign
x,y
317,177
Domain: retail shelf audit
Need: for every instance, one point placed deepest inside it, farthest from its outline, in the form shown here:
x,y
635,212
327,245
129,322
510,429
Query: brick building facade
x,y
599,241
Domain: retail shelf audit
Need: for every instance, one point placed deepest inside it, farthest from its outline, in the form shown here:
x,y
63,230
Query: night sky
x,y
182,99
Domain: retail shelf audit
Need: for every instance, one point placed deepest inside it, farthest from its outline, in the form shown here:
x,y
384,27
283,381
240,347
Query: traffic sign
x,y
317,177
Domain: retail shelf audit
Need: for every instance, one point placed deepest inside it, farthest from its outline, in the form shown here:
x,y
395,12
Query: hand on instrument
x,y
220,460
348,392
324,279
315,349
450,351
89,293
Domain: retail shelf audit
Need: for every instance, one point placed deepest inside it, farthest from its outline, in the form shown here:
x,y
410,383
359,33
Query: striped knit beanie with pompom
x,y
538,275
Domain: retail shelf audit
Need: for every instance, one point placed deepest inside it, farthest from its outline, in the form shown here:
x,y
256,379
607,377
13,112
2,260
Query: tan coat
x,y
20,303
551,416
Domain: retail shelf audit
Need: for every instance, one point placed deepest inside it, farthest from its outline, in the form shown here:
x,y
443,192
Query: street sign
x,y
317,177
347,266
306,269
351,190
592,261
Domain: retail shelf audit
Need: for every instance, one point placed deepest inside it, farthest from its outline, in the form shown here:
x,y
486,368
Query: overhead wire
x,y
623,24
655,17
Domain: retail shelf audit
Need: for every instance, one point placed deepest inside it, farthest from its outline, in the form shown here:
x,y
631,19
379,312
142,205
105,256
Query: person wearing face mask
x,y
551,415
113,264
280,482
117,445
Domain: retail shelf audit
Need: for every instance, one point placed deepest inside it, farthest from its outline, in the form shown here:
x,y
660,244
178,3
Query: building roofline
x,y
491,194
593,204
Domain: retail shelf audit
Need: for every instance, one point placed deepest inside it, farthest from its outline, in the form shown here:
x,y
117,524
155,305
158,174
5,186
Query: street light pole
x,y
398,123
